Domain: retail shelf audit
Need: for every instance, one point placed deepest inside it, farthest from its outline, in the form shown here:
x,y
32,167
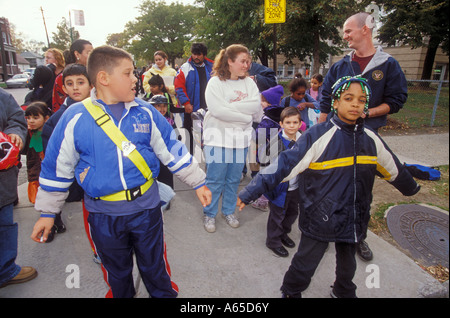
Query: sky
x,y
102,17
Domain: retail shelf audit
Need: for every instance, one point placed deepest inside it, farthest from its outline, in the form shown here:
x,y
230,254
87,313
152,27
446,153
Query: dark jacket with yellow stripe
x,y
337,163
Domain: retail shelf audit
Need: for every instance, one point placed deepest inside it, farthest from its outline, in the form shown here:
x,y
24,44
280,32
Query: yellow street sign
x,y
274,11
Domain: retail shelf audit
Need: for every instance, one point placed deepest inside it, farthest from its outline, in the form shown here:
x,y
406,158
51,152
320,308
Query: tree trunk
x,y
429,58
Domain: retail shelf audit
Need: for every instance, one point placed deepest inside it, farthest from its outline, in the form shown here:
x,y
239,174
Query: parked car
x,y
30,71
18,80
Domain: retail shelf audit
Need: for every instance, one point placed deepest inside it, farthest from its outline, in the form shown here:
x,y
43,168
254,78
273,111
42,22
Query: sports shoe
x,y
333,294
261,204
363,251
232,220
26,274
209,223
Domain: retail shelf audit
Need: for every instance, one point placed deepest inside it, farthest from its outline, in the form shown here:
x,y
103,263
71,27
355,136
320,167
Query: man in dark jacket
x,y
190,84
383,72
13,124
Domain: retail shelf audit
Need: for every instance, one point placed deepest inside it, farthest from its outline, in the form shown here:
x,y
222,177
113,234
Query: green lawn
x,y
418,110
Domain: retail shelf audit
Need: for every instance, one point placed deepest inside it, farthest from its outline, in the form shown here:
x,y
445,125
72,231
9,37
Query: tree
x,y
160,27
22,44
418,24
116,40
240,21
312,28
64,36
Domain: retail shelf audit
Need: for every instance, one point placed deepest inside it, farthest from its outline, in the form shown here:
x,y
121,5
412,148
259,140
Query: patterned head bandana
x,y
344,83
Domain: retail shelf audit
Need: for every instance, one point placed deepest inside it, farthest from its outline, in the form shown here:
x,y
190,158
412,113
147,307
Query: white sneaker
x,y
209,223
232,220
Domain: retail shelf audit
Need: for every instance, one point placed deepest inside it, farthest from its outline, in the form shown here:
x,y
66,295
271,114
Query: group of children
x,y
121,197
283,122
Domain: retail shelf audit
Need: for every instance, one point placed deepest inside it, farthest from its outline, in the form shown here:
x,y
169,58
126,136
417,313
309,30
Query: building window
x,y
290,70
280,70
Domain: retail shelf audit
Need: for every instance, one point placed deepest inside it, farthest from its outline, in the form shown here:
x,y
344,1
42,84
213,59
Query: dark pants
x,y
117,238
306,260
187,124
165,176
280,220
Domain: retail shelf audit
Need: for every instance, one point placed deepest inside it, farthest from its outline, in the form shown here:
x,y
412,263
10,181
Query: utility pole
x,y
45,26
274,13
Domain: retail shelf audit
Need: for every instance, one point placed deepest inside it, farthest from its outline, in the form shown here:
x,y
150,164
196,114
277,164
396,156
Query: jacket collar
x,y
379,58
95,100
336,121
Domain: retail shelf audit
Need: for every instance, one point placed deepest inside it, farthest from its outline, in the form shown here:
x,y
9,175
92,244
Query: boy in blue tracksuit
x,y
123,204
284,199
336,163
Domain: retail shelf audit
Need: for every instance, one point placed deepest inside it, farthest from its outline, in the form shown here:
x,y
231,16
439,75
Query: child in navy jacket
x,y
336,163
284,199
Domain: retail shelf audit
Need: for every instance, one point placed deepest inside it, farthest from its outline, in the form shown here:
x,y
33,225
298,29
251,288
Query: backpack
x,y
423,172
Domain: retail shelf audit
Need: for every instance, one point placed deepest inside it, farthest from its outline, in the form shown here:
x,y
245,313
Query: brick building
x,y
8,55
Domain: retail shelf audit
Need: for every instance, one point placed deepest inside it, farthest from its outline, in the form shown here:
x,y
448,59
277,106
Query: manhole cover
x,y
421,230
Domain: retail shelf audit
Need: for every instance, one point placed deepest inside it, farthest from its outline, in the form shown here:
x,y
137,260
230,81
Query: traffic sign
x,y
274,11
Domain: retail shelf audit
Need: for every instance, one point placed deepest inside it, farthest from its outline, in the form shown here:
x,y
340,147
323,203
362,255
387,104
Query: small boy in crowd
x,y
336,163
77,87
270,122
284,199
120,194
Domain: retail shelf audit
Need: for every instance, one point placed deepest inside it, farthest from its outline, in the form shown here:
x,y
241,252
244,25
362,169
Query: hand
x,y
15,139
240,204
301,106
204,195
42,228
188,108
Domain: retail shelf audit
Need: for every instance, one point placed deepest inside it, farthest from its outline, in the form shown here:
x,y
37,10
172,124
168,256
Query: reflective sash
x,y
128,149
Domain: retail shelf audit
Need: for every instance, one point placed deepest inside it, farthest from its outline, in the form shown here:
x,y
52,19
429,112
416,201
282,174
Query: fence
x,y
428,99
427,104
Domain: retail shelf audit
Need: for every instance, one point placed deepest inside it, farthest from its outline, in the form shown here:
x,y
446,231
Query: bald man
x,y
383,72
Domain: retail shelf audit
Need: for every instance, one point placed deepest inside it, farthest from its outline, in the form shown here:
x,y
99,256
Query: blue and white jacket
x,y
336,164
385,77
187,86
80,149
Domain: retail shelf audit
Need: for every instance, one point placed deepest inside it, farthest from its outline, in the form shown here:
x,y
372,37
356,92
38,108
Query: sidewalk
x,y
230,263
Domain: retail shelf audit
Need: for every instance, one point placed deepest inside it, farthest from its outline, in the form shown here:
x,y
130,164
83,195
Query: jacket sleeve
x,y
396,88
58,166
265,77
288,165
173,153
13,122
180,86
390,168
240,111
145,84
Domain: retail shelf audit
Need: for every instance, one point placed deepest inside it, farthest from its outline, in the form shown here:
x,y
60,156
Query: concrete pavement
x,y
230,263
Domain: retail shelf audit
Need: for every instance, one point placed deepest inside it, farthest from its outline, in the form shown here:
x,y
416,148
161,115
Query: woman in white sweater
x,y
234,103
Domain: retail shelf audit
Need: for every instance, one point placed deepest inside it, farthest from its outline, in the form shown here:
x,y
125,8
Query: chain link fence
x,y
427,104
429,98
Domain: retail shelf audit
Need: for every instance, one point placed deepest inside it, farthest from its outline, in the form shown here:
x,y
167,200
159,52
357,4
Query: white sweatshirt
x,y
233,105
